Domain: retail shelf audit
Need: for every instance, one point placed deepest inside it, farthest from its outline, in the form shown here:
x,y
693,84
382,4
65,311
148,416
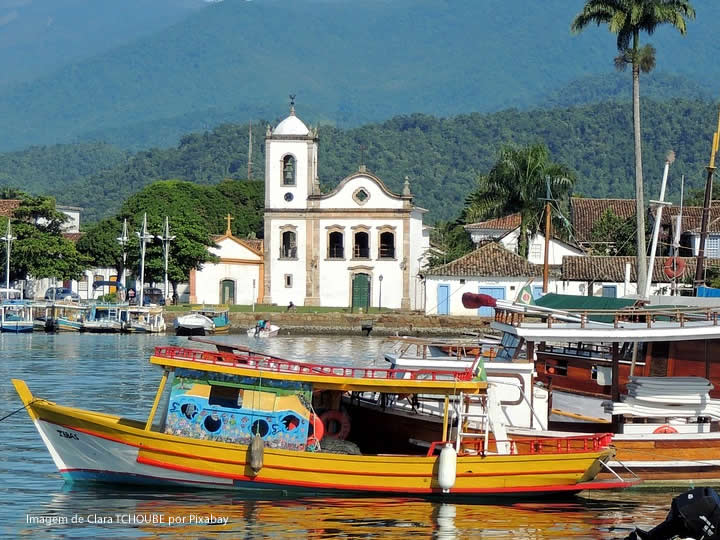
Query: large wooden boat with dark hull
x,y
661,435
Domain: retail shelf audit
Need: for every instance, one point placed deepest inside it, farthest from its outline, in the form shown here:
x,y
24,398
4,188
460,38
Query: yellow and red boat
x,y
249,421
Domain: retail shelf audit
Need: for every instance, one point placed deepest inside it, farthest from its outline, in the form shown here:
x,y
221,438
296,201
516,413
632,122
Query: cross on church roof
x,y
229,219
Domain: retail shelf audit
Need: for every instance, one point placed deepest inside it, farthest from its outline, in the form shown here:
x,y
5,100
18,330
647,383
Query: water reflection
x,y
111,513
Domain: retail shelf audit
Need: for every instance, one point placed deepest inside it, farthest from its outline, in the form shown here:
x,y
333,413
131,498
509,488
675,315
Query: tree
x,y
518,183
627,18
39,249
613,234
451,241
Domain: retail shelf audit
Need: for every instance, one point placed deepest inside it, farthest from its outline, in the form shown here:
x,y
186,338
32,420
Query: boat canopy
x,y
568,302
322,377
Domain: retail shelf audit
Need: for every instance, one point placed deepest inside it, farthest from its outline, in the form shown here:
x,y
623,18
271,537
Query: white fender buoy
x,y
257,449
447,467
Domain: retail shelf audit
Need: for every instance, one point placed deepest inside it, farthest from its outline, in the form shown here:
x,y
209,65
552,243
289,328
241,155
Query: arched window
x,y
387,245
288,249
362,245
288,170
336,248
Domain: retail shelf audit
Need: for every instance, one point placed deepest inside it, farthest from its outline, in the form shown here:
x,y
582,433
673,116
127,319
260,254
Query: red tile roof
x,y
73,236
8,206
505,223
612,269
490,260
585,212
692,218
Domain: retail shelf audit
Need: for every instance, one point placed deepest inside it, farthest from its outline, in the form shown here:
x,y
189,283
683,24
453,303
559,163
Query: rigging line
x,y
22,408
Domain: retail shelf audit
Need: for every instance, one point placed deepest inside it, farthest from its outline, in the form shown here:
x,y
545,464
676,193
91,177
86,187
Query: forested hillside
x,y
348,62
442,156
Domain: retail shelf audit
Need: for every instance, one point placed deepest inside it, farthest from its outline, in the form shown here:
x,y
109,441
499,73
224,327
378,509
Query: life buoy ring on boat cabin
x,y
665,428
337,424
674,267
318,429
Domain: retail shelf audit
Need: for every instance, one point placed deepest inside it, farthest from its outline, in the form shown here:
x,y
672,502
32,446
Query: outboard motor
x,y
694,514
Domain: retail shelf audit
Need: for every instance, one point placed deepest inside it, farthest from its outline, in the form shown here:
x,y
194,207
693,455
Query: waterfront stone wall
x,y
382,324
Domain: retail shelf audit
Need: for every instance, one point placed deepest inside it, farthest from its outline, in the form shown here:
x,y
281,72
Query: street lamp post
x,y
8,238
166,239
380,278
123,240
144,237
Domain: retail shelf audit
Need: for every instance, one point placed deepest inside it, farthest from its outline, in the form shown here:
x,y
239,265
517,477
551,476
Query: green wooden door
x,y
227,292
361,292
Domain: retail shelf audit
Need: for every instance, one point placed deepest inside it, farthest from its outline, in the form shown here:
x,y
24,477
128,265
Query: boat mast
x,y
676,237
699,270
8,238
166,239
123,240
658,217
250,162
548,225
144,237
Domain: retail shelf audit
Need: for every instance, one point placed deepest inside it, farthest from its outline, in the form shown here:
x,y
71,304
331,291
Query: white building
x,y
236,278
506,230
359,245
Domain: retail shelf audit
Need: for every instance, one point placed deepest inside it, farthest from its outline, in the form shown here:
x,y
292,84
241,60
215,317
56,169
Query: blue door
x,y
537,291
609,291
496,292
443,299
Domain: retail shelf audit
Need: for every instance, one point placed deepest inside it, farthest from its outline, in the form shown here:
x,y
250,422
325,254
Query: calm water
x,y
111,374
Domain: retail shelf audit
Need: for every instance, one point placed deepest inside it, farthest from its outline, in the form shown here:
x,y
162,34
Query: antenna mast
x,y
250,162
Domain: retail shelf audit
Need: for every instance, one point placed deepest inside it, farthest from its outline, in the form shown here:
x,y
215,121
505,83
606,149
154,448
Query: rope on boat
x,y
21,408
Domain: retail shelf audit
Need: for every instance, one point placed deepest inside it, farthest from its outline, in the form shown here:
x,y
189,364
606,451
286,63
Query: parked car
x,y
61,293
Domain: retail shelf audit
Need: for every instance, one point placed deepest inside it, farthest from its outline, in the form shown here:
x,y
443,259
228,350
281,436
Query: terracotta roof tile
x,y
692,218
612,269
505,223
585,212
8,206
490,260
73,236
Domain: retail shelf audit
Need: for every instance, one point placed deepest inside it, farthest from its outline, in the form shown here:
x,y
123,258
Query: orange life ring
x,y
318,430
665,429
332,419
674,267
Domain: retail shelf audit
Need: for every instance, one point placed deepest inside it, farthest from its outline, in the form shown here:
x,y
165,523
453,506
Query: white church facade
x,y
358,246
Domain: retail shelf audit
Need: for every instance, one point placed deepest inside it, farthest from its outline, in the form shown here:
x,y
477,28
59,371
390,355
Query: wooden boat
x,y
60,316
266,332
16,316
243,421
145,320
203,321
106,318
662,444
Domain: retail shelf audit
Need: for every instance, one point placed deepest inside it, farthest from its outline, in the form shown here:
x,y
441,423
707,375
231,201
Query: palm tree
x,y
627,18
518,183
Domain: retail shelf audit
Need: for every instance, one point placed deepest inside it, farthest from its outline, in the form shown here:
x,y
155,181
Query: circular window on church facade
x,y
361,196
288,196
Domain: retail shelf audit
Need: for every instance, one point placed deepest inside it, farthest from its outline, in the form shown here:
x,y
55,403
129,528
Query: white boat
x,y
204,320
268,331
145,320
106,318
16,316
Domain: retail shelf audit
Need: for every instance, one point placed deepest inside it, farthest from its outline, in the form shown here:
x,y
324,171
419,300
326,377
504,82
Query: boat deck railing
x,y
262,362
560,445
589,317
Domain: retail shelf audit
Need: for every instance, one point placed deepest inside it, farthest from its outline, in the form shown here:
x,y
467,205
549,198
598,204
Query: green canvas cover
x,y
590,303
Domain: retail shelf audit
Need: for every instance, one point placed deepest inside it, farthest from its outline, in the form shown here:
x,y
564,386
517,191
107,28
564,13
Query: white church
x,y
359,245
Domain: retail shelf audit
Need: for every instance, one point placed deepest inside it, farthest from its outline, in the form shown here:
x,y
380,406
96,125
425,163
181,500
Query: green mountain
x,y
348,62
38,36
441,156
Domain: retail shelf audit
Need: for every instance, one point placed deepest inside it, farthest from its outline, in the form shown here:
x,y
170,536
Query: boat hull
x,y
17,327
87,446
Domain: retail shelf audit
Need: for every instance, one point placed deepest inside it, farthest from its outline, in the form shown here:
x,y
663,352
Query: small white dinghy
x,y
194,324
269,331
